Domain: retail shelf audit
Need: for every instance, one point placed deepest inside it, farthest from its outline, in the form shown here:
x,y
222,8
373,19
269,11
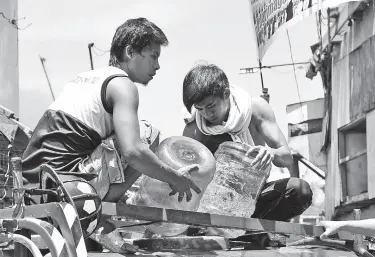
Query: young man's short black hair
x,y
136,33
202,81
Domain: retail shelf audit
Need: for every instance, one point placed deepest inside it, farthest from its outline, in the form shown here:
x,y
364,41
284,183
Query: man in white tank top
x,y
97,104
219,112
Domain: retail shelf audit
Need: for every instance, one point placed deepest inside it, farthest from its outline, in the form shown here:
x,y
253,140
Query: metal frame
x,y
22,240
65,216
51,236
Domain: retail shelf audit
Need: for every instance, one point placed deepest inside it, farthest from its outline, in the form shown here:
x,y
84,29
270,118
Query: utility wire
x,y
98,51
294,68
101,49
295,78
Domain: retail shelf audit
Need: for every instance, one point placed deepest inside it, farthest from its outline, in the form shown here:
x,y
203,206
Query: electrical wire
x,y
99,52
101,49
294,68
295,78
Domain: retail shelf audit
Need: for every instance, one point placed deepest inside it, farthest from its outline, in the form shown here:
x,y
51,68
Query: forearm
x,y
282,157
293,170
145,161
363,227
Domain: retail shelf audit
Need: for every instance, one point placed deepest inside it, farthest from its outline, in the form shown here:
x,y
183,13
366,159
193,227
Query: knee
x,y
301,189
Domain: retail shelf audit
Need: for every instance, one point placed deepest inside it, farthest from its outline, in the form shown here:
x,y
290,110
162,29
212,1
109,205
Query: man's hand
x,y
331,227
185,183
263,158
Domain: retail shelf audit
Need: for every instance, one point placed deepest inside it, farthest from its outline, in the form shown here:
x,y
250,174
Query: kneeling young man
x,y
74,135
221,113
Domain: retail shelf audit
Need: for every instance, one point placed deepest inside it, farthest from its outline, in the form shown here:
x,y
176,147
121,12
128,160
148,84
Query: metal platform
x,y
282,252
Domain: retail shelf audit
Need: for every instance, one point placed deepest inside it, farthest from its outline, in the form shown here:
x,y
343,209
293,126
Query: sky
x,y
216,31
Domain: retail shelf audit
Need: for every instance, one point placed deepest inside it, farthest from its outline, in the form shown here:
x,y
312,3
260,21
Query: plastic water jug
x,y
236,185
177,152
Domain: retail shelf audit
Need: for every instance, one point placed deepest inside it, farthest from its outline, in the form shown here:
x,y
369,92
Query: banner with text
x,y
273,16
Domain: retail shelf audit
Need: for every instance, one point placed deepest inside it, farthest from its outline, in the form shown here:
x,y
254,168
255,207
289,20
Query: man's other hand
x,y
185,183
263,158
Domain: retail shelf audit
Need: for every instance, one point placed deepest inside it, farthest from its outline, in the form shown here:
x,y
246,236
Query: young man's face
x,y
214,109
143,65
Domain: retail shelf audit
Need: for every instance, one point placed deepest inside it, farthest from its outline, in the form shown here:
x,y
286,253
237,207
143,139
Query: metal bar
x,y
272,66
312,167
90,45
309,165
261,74
207,219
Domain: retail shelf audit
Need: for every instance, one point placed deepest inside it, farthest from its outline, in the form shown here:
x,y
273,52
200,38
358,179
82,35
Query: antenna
x,y
90,45
42,60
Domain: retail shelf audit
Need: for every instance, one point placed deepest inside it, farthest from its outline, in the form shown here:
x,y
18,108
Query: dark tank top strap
x,y
103,92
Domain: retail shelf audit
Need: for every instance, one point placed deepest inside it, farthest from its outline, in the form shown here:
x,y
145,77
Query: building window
x,y
353,160
306,127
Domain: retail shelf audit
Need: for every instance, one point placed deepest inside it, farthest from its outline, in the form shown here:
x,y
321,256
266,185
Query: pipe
x,y
50,235
309,164
27,243
90,45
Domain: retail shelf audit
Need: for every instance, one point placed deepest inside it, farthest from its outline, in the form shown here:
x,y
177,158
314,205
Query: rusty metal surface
x,y
206,219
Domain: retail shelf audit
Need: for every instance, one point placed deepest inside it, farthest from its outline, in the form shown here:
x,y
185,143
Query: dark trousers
x,y
283,199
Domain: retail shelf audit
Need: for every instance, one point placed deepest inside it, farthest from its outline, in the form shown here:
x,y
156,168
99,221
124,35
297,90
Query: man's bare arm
x,y
123,96
271,133
190,130
363,227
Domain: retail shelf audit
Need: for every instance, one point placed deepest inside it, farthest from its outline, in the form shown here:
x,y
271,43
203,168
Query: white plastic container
x,y
236,185
177,152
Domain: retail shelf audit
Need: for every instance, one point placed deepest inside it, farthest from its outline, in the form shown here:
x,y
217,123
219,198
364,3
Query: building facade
x,y
348,72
